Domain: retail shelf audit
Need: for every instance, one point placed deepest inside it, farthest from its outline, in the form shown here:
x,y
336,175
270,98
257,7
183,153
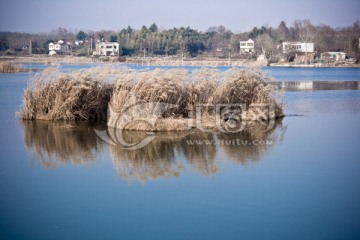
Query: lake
x,y
300,180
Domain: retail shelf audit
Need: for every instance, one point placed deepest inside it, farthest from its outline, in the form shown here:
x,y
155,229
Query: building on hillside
x,y
247,47
334,56
59,48
107,49
297,47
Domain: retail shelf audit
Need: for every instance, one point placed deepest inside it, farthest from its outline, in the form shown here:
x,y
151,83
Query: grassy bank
x,y
10,67
159,100
148,61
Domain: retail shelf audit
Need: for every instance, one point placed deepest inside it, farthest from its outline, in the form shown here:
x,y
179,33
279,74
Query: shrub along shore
x,y
158,100
10,67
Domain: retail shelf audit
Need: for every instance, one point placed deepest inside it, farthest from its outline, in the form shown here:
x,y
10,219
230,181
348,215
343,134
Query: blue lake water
x,y
277,73
300,180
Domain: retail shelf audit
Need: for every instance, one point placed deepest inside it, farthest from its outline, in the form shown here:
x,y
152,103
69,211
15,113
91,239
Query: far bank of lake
x,y
173,61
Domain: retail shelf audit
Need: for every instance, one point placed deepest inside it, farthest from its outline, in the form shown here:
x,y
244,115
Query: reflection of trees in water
x,y
53,144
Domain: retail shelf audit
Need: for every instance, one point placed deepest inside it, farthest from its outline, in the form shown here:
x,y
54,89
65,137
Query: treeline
x,y
216,41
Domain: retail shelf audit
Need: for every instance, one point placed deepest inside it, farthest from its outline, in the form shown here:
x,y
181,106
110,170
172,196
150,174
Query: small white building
x,y
107,49
79,42
59,47
247,46
335,56
297,47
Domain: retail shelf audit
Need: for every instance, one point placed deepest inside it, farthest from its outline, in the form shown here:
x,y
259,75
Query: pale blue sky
x,y
45,15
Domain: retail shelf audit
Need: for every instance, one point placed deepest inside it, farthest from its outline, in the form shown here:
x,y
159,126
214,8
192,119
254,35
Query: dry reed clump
x,y
246,86
166,99
10,67
202,85
53,95
158,86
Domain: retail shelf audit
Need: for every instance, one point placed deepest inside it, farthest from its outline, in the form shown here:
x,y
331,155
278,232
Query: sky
x,y
35,16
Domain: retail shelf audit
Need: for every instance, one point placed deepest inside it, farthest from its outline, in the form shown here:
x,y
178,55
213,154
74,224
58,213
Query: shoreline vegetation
x,y
148,61
160,61
10,67
158,100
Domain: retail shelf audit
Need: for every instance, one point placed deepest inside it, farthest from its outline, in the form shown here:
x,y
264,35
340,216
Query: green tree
x,y
113,38
259,31
81,35
4,44
282,32
153,28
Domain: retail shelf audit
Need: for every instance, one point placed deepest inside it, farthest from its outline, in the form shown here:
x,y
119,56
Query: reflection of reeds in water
x,y
201,157
54,144
160,158
252,143
156,159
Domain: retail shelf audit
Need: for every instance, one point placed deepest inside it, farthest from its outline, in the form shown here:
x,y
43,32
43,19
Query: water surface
x,y
298,181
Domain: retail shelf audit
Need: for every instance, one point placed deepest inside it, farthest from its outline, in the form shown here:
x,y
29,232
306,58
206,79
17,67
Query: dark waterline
x,y
60,181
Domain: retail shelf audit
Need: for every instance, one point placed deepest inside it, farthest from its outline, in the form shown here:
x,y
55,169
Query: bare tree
x,y
305,29
265,43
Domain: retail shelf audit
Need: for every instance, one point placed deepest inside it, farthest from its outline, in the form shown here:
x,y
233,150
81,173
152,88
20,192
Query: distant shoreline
x,y
316,65
166,61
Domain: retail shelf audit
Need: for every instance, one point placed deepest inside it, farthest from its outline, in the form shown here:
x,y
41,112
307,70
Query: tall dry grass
x,y
186,91
53,95
168,96
10,67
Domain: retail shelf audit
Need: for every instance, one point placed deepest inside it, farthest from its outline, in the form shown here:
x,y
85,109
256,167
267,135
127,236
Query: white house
x,y
297,47
336,56
59,47
79,42
107,49
247,46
